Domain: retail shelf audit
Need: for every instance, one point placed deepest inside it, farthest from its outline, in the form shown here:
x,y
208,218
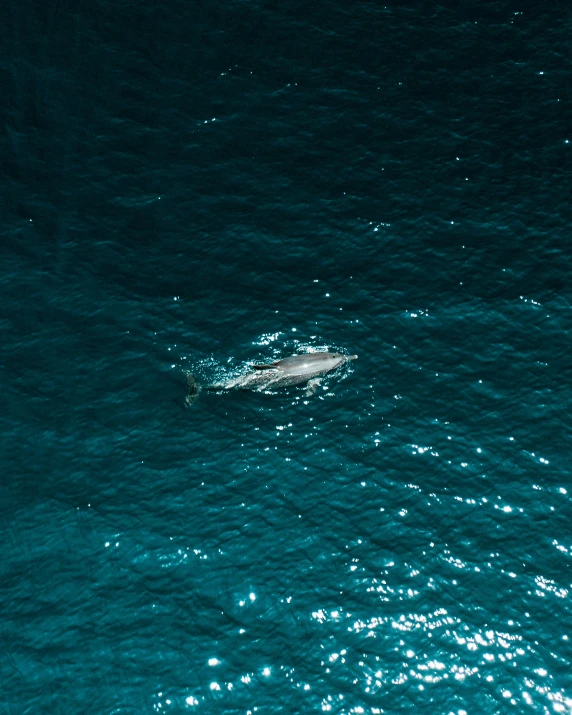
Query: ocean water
x,y
191,187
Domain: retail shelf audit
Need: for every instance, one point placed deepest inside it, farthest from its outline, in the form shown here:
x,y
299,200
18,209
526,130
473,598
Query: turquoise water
x,y
195,187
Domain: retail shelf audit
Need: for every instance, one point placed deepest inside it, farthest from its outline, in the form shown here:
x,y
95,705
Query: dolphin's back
x,y
305,364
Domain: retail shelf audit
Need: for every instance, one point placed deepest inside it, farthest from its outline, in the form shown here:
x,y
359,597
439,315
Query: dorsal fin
x,y
272,366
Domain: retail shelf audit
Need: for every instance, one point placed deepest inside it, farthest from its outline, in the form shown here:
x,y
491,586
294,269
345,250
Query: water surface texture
x,y
197,186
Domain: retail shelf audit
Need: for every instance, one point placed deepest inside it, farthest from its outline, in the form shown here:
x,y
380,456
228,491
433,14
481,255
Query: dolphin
x,y
290,371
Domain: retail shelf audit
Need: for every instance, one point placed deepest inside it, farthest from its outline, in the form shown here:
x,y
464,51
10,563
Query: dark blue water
x,y
196,186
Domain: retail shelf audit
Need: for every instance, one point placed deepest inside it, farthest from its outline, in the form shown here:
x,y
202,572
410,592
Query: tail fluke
x,y
193,389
